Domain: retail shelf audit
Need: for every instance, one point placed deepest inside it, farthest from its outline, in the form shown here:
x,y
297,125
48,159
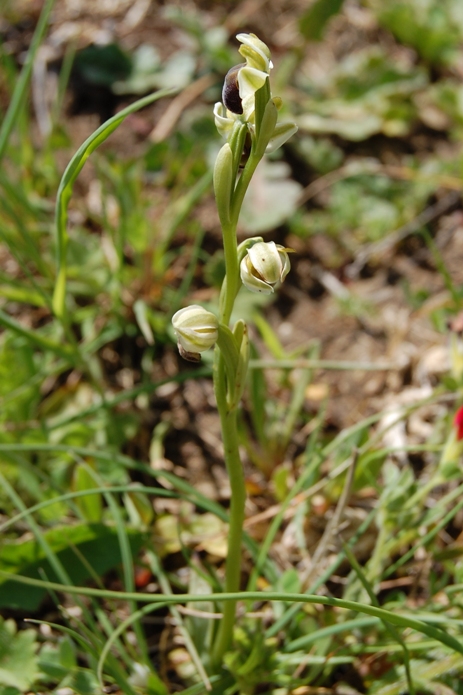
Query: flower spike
x,y
241,84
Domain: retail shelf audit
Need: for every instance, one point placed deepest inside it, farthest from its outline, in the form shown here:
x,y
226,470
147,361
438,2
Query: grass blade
x,y
382,614
19,93
390,628
67,182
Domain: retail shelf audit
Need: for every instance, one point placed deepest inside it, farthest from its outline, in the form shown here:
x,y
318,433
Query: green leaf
x,y
432,28
91,505
19,94
56,662
83,682
103,65
67,183
139,508
271,199
18,390
313,21
9,690
86,550
18,661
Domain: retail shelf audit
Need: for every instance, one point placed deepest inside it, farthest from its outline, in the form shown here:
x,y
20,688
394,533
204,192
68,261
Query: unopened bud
x,y
265,265
196,330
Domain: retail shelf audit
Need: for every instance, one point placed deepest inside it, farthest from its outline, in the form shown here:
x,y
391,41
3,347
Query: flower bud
x,y
265,265
223,182
196,330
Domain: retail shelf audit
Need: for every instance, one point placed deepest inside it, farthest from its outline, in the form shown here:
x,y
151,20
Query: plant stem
x,y
242,187
228,421
231,282
228,416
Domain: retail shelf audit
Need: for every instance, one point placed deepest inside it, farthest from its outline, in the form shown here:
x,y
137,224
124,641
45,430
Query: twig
x,y
380,248
333,525
206,615
301,363
169,118
371,166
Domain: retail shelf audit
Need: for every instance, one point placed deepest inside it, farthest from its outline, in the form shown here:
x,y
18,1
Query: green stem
x,y
228,421
231,283
225,395
242,187
232,280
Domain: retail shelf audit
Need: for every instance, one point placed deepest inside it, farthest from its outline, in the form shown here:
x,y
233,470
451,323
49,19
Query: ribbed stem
x,y
228,421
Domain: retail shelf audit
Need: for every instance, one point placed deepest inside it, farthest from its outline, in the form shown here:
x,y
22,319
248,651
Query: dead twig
x,y
169,118
382,247
332,526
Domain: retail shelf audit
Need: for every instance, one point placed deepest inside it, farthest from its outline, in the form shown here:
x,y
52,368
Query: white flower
x,y
239,90
255,52
242,81
196,330
265,265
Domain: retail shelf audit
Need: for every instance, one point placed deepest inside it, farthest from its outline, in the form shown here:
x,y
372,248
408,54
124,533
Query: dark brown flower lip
x,y
187,355
230,92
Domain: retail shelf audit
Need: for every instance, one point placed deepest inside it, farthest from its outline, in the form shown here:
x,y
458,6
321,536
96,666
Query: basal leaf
x,y
18,662
85,550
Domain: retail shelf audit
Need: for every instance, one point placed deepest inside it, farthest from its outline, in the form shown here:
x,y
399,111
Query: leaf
x,y
271,198
313,22
139,508
91,505
85,550
432,28
67,183
103,65
57,661
18,391
367,92
82,681
18,661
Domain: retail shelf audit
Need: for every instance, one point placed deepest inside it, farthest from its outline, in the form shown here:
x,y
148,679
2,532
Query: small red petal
x,y
142,577
458,422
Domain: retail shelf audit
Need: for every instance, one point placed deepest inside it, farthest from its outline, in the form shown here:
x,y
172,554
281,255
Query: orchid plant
x,y
247,119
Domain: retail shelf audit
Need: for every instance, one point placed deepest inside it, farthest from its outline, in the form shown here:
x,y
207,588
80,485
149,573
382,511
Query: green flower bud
x,y
223,182
265,265
196,330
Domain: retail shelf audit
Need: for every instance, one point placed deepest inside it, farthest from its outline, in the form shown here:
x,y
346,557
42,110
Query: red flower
x,y
143,576
458,422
